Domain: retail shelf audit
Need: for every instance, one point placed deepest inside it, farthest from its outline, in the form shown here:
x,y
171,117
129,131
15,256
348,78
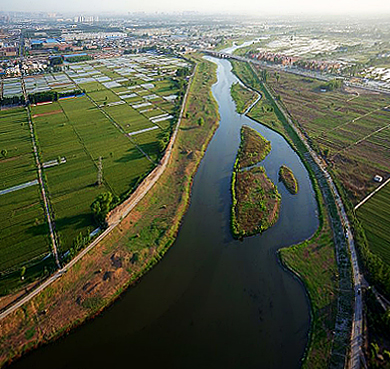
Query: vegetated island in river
x,y
286,175
256,200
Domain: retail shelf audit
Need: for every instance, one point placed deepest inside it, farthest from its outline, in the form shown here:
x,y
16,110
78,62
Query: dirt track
x,y
48,113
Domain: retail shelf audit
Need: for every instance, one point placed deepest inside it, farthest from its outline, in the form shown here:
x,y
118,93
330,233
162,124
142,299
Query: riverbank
x,y
309,259
132,248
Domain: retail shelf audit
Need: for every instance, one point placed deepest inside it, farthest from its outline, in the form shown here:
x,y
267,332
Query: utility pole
x,y
100,172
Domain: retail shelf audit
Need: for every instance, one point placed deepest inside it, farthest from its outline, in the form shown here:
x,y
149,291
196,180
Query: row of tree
x,y
46,96
12,100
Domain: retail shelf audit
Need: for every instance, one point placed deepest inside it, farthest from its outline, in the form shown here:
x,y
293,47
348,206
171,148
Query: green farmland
x,y
23,230
124,119
375,215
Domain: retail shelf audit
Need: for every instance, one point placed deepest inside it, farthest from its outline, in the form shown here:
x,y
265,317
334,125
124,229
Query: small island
x,y
242,96
286,175
256,200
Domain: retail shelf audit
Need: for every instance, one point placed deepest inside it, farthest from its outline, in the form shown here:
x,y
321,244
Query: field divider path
x,y
357,118
41,182
362,139
116,215
372,194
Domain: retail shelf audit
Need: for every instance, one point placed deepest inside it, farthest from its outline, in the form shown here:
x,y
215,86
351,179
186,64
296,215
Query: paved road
x,y
115,217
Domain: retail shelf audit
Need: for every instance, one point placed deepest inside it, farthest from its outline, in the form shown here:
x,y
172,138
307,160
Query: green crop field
x,y
23,230
375,215
72,136
128,118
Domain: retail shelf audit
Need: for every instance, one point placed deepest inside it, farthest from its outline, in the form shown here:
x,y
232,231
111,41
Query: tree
x,y
200,121
102,205
4,153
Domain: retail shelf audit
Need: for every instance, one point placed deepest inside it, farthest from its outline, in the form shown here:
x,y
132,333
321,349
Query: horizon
x,y
282,8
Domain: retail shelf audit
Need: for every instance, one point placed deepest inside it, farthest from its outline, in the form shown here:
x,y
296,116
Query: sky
x,y
252,7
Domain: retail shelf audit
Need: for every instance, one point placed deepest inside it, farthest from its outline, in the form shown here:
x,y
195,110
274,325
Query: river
x,y
212,302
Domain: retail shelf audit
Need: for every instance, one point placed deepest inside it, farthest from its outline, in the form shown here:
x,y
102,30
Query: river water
x,y
212,302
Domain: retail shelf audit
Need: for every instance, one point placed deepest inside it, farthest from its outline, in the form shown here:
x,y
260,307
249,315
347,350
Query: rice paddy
x,y
128,106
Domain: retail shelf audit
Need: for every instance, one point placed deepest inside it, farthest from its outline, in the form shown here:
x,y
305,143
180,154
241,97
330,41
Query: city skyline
x,y
282,7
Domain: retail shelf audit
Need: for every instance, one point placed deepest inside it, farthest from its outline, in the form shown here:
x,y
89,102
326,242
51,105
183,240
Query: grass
x,y
286,175
242,97
374,216
23,230
314,262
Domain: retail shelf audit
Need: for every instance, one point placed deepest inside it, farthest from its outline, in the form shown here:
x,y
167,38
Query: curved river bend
x,y
212,302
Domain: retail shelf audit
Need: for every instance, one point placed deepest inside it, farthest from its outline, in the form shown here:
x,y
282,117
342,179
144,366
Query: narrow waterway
x,y
212,302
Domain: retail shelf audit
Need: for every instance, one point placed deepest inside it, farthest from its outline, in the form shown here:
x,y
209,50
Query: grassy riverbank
x,y
132,248
256,201
242,97
313,260
286,175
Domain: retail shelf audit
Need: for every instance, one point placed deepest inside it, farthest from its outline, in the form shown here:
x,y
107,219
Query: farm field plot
x,y
119,122
73,180
23,230
102,139
76,130
128,118
375,216
350,128
103,96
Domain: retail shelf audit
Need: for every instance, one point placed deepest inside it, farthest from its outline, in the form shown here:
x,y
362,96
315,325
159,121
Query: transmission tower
x,y
100,172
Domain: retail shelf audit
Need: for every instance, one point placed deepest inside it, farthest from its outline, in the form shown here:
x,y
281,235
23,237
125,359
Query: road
x,y
115,217
357,322
370,86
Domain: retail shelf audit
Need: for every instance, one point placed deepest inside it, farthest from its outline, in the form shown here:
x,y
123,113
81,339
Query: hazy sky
x,y
231,6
